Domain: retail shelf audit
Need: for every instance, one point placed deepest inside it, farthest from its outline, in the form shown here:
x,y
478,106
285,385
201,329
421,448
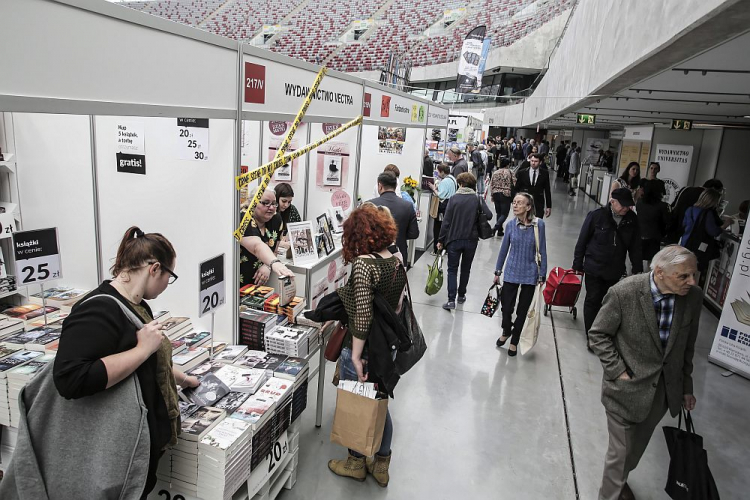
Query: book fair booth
x,y
177,131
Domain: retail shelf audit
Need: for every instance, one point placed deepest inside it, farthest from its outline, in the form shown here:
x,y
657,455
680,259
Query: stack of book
x,y
254,325
251,358
291,340
18,377
184,464
224,457
190,358
271,305
174,328
241,378
210,390
30,312
270,363
256,291
299,391
292,369
9,326
194,339
231,401
7,363
36,339
251,302
178,346
231,353
205,368
293,309
64,297
8,284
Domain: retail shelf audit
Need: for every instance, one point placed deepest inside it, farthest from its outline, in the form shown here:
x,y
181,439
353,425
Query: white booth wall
x,y
321,197
190,202
372,163
270,142
56,189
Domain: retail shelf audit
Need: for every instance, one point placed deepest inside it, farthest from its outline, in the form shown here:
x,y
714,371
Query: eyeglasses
x,y
172,276
269,204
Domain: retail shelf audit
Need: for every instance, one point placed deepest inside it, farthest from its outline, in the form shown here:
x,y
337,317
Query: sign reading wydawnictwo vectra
x,y
37,256
212,292
273,87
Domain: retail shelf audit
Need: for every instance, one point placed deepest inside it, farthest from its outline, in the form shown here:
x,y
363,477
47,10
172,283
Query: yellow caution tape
x,y
239,233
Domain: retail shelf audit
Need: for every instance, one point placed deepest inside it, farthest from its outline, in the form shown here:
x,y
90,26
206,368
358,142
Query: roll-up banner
x,y
469,78
731,347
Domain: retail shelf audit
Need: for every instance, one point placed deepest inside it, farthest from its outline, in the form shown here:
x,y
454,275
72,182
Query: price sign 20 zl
x,y
192,139
37,256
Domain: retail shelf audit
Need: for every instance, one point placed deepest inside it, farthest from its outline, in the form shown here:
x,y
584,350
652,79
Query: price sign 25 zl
x,y
37,256
192,139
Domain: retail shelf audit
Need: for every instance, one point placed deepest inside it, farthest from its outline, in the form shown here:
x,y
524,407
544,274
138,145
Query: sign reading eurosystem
x,y
675,161
731,347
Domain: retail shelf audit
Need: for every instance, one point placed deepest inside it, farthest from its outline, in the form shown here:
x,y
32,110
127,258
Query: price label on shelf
x,y
270,464
37,256
192,136
212,285
7,225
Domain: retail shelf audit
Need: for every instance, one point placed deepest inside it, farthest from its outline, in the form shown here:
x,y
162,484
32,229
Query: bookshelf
x,y
9,194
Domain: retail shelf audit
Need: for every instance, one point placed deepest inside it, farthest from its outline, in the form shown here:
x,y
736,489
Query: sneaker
x,y
461,299
449,305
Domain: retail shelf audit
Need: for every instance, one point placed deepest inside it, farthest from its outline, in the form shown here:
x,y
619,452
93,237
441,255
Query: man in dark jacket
x,y
561,153
459,162
535,181
401,210
609,234
428,169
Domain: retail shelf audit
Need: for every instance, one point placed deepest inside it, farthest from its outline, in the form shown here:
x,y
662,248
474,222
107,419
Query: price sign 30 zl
x,y
192,139
37,256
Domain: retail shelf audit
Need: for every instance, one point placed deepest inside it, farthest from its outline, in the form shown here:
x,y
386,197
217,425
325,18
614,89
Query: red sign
x,y
368,104
385,106
341,199
277,128
330,127
255,83
244,169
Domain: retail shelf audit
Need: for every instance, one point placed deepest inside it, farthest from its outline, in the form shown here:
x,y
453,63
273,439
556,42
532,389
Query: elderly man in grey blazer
x,y
644,336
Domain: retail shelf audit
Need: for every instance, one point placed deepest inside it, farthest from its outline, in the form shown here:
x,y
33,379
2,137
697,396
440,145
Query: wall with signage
x,y
189,201
732,168
681,138
294,174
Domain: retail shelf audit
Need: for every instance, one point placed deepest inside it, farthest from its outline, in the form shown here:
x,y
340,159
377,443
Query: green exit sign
x,y
586,119
682,124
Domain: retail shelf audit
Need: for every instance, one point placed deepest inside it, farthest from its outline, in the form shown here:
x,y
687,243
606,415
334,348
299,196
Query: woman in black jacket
x,y
99,347
459,235
653,217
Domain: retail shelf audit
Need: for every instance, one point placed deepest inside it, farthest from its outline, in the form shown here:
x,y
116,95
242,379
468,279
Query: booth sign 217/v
x,y
212,290
37,256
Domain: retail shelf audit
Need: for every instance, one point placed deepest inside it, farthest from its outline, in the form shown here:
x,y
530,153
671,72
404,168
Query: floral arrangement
x,y
410,187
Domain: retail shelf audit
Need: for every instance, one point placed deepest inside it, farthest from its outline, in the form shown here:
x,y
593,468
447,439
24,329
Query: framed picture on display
x,y
324,227
320,245
332,170
301,237
337,219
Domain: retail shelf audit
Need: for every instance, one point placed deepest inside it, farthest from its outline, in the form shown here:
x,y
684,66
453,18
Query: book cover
x,y
231,401
270,363
251,358
226,433
195,339
275,389
254,409
290,368
205,368
174,324
210,390
188,355
231,353
17,359
200,422
187,409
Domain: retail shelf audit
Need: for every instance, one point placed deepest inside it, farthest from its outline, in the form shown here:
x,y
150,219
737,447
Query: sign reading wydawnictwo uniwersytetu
x,y
212,286
37,256
192,137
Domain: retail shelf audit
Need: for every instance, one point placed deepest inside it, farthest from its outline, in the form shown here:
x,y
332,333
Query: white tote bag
x,y
530,332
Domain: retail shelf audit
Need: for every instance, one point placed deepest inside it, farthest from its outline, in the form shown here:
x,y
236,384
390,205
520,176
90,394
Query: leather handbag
x,y
335,343
483,226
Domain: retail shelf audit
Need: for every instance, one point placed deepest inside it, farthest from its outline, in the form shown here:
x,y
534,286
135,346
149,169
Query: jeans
x,y
460,251
502,209
348,372
480,181
596,289
508,303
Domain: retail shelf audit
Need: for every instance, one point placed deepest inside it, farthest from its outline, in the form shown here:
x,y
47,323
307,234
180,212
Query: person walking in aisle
x,y
653,217
560,153
101,346
401,210
501,189
483,171
574,168
703,219
459,236
368,232
608,235
445,189
645,338
535,181
459,162
517,261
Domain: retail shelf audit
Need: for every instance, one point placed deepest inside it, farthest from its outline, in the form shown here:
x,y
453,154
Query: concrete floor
x,y
470,422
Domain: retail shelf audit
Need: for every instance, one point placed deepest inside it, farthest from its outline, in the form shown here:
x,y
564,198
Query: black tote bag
x,y
689,477
484,230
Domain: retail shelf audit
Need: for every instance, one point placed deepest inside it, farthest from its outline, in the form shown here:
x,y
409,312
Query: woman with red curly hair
x,y
368,233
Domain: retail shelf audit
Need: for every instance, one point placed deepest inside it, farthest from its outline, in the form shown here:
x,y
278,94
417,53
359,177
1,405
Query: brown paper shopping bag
x,y
358,422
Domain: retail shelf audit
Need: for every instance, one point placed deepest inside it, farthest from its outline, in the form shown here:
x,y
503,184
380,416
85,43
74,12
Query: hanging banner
x,y
469,78
675,161
731,347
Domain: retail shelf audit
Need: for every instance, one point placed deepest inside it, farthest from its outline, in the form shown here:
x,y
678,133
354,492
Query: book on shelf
x,y
10,326
17,359
271,363
186,409
252,302
276,389
290,369
174,328
57,321
190,358
218,347
20,340
31,311
200,423
178,346
251,358
227,436
230,353
241,378
210,390
232,401
41,343
257,291
256,410
204,368
7,351
195,339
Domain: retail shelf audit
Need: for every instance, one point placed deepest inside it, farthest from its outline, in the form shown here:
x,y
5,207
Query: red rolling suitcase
x,y
562,290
